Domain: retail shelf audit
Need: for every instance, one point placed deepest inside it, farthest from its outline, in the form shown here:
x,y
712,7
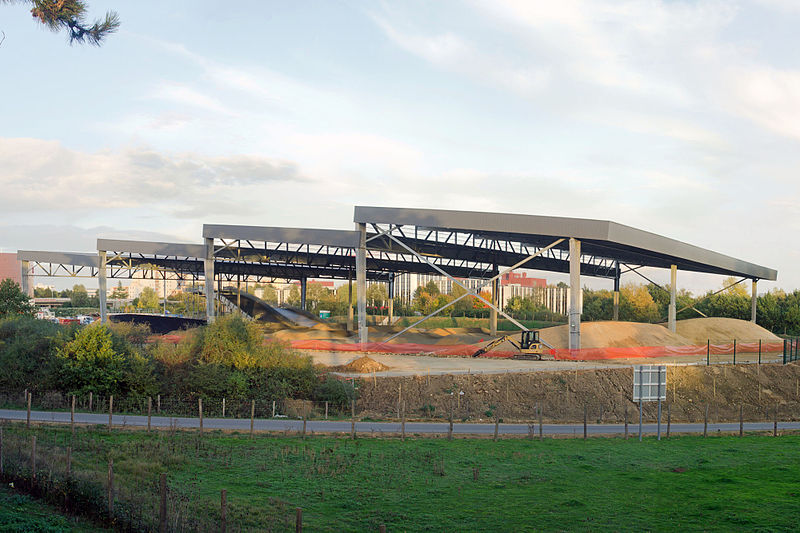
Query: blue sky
x,y
679,117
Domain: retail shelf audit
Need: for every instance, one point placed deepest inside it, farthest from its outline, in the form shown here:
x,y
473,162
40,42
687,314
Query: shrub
x,y
338,393
89,362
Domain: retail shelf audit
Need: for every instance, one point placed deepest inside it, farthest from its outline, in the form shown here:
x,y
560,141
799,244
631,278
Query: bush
x,y
28,350
338,393
90,363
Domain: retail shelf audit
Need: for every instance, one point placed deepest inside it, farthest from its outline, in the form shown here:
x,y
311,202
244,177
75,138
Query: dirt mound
x,y
614,335
362,365
722,330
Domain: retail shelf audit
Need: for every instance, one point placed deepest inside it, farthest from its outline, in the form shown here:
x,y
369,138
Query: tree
x,y
377,294
79,296
148,299
70,15
733,288
90,362
119,292
13,301
42,292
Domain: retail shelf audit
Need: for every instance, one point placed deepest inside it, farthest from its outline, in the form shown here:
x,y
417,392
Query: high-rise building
x,y
10,267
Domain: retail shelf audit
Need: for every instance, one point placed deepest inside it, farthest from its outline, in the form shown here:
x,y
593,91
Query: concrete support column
x,y
349,300
361,283
673,295
391,299
616,294
208,267
102,285
574,294
303,291
26,279
754,301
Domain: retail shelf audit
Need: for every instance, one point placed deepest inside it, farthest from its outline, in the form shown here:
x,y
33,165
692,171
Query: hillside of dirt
x,y
607,334
723,330
606,394
361,365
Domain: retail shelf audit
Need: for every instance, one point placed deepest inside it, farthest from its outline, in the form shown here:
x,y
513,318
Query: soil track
x,y
605,392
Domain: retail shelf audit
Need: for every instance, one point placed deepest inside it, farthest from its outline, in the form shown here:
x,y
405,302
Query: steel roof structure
x,y
503,239
388,241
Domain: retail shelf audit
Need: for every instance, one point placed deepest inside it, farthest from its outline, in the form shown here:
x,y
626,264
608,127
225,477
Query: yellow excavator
x,y
529,345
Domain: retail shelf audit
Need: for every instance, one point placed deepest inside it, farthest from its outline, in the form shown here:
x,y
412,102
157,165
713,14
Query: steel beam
x,y
208,267
495,301
303,292
361,282
574,294
349,300
616,293
673,296
26,278
754,301
390,303
102,274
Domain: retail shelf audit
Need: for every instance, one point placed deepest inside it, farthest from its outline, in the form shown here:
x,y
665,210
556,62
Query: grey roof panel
x,y
615,240
324,237
152,248
60,258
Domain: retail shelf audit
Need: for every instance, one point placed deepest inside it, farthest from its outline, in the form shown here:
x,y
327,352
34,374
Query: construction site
x,y
472,250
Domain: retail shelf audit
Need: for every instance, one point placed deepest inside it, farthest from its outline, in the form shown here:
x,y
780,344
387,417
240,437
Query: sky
x,y
677,117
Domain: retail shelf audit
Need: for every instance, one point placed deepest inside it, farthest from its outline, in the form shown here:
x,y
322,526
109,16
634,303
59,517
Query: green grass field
x,y
684,483
23,514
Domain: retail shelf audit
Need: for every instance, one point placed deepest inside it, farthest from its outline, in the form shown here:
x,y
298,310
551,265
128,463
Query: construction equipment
x,y
529,345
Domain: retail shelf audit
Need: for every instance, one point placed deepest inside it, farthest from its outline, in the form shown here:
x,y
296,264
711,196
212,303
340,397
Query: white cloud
x,y
43,176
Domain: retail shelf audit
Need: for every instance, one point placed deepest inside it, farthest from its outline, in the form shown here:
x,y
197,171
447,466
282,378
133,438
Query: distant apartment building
x,y
512,284
10,267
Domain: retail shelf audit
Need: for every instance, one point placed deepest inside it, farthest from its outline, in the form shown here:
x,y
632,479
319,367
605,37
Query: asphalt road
x,y
333,426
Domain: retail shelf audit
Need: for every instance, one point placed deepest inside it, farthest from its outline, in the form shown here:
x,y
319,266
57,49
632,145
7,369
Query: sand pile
x,y
614,334
723,330
362,365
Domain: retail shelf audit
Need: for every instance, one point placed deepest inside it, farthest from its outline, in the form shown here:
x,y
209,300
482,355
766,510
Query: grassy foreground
x,y
23,514
684,483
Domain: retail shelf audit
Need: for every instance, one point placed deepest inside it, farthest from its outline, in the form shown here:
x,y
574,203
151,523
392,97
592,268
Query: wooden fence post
x,y
273,408
162,508
669,417
403,422
149,411
33,457
28,422
298,526
741,420
775,423
705,422
252,417
326,410
200,412
626,421
91,397
158,404
382,528
352,419
585,415
110,488
223,510
450,419
541,433
496,426
304,426
69,461
72,416
110,410
223,408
